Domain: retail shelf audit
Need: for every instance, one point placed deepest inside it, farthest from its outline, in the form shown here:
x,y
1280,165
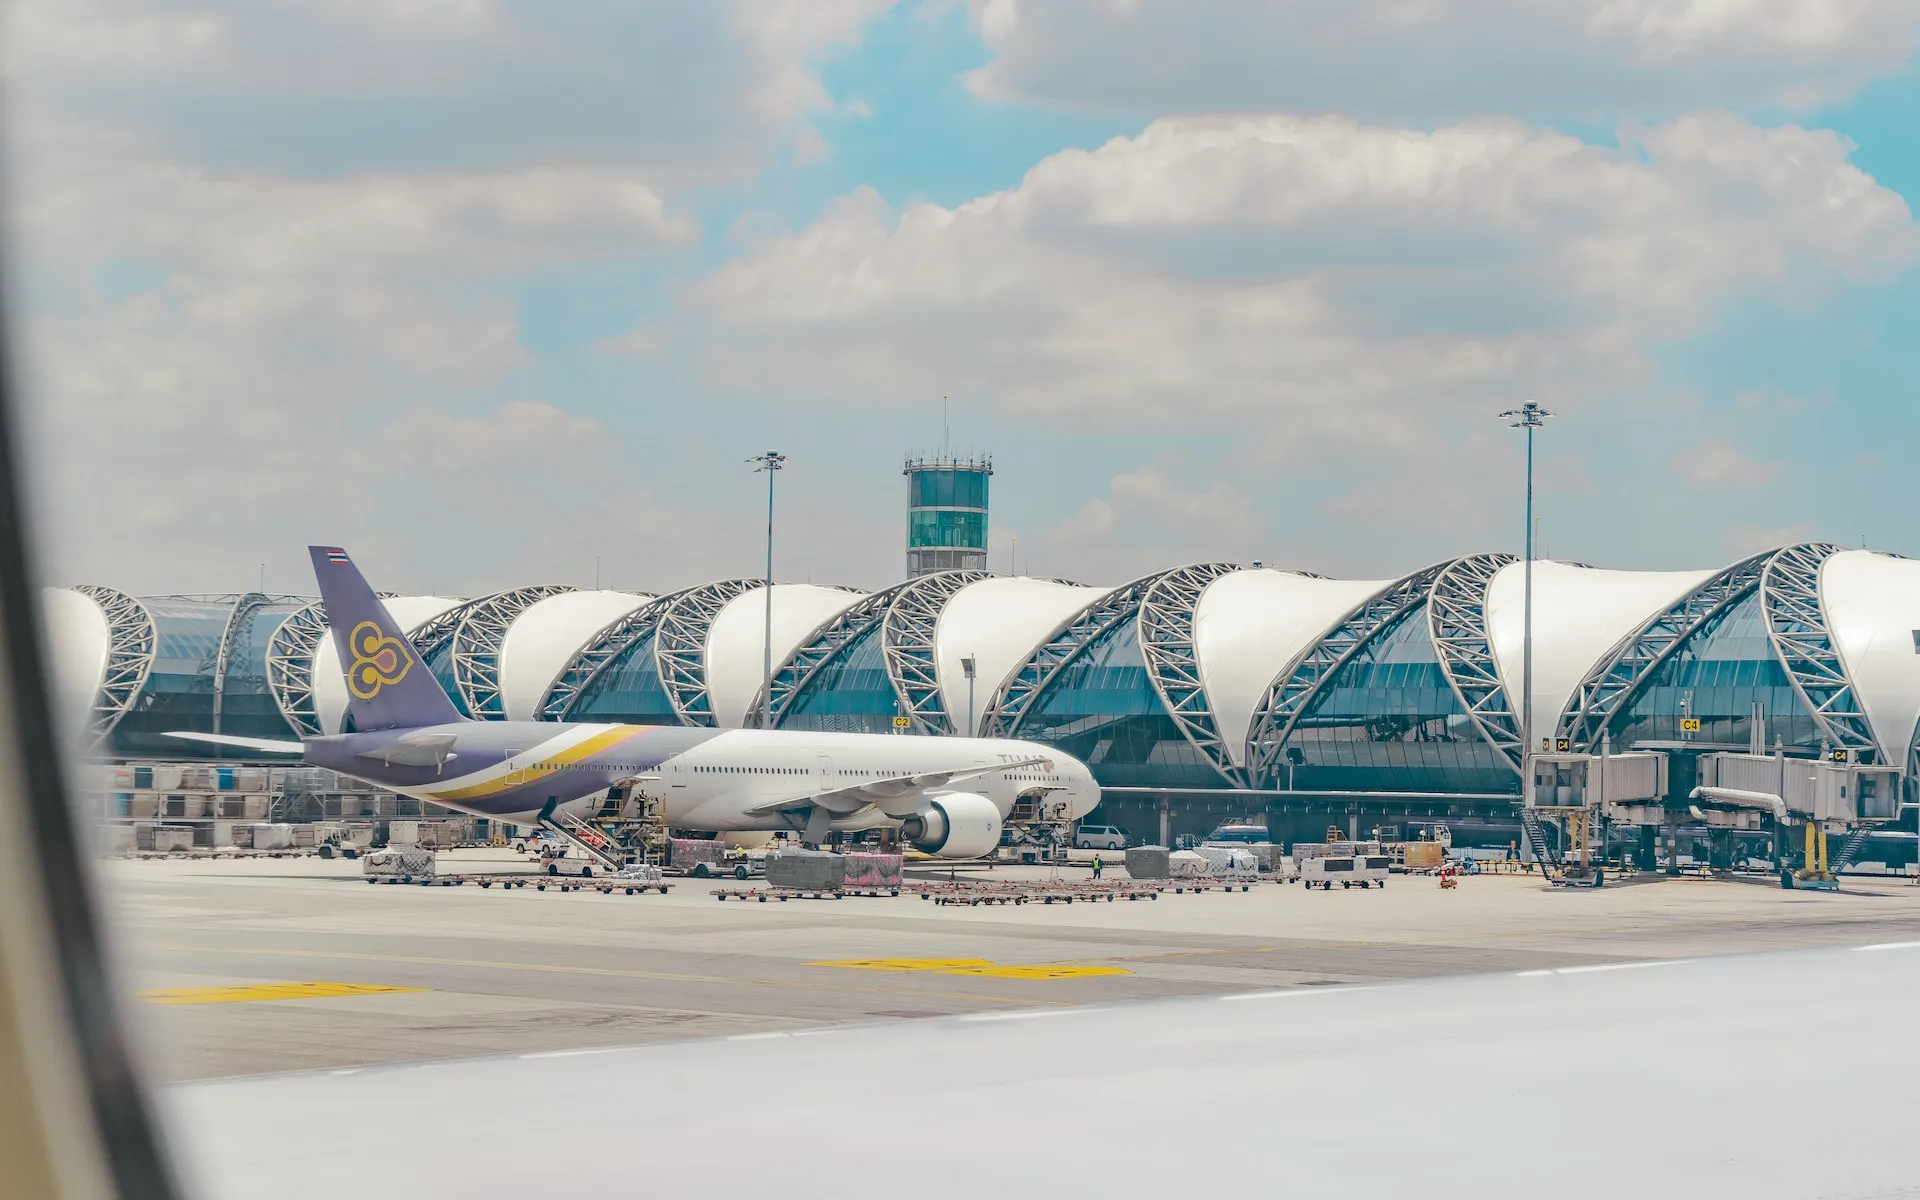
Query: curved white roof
x,y
79,639
1249,625
330,683
1579,613
999,622
545,637
1872,604
736,642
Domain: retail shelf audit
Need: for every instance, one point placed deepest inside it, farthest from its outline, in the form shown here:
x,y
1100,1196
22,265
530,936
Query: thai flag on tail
x,y
337,556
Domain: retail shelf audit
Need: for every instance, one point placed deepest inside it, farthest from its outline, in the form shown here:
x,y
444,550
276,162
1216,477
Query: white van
x,y
1099,837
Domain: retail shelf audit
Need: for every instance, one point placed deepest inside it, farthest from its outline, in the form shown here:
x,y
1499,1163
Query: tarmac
x,y
256,966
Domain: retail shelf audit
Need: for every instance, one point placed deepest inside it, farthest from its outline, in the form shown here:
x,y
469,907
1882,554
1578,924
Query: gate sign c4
x,y
1689,724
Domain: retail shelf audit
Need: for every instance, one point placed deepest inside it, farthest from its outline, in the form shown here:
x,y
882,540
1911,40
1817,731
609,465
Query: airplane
x,y
946,796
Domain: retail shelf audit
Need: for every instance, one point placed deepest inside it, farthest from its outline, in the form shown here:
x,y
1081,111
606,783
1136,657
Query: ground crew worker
x,y
1097,864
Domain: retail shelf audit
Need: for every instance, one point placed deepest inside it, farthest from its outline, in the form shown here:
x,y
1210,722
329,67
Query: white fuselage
x,y
716,784
709,779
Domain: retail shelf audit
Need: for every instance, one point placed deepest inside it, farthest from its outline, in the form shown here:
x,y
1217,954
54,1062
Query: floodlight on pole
x,y
1528,416
769,462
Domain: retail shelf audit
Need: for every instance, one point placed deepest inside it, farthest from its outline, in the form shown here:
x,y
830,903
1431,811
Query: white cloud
x,y
249,379
1319,281
1145,522
686,91
1428,58
810,147
1717,463
1748,539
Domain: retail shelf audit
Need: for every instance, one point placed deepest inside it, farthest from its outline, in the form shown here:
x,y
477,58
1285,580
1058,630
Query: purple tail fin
x,y
388,686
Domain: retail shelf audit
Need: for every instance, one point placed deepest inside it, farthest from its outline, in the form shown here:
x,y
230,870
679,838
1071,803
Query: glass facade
x,y
1388,721
947,514
947,528
947,487
246,704
1717,677
440,662
850,693
1102,709
628,689
179,691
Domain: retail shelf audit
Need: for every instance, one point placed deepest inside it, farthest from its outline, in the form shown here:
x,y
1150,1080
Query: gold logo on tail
x,y
378,661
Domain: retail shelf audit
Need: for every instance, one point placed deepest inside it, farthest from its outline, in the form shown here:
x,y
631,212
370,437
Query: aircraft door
x,y
824,780
677,772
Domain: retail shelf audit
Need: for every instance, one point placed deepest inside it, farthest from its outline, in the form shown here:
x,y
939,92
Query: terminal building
x,y
1201,693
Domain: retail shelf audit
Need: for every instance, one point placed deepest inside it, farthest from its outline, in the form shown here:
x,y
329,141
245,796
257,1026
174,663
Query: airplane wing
x,y
1330,1066
264,745
884,793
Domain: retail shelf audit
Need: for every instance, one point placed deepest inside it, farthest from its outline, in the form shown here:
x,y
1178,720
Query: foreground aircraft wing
x,y
1328,1069
264,745
880,793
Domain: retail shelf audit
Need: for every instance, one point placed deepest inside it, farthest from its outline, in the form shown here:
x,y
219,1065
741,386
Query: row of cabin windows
x,y
718,770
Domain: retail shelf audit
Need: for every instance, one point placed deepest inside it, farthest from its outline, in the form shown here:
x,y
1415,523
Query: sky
x,y
496,292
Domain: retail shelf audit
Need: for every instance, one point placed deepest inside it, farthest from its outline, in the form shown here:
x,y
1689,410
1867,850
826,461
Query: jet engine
x,y
954,825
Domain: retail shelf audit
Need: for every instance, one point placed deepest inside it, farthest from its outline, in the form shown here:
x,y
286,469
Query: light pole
x,y
1528,416
967,665
769,462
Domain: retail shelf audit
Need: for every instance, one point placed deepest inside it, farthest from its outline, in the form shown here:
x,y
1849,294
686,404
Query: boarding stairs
x,y
1850,849
1537,841
589,840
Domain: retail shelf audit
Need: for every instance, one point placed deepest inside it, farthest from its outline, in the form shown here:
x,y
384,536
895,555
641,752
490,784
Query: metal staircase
x,y
1537,841
1850,849
590,841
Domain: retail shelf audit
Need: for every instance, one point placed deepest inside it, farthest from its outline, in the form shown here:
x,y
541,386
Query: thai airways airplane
x,y
946,796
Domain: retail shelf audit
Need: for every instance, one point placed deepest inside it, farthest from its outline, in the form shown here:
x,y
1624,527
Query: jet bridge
x,y
1835,792
1572,787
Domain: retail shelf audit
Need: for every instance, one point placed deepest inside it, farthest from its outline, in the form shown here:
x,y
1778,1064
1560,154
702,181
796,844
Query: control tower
x,y
947,513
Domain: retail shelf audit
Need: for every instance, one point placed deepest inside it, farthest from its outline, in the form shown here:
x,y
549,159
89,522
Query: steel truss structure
x,y
680,645
1797,627
592,659
821,647
244,607
1457,621
1009,706
132,641
290,667
906,635
1166,643
1292,693
477,640
437,634
1612,684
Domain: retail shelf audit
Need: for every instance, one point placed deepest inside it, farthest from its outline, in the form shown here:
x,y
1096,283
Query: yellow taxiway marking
x,y
351,956
266,991
975,966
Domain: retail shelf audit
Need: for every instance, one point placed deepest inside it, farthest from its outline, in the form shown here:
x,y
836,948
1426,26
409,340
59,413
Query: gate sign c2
x,y
1689,724
902,723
